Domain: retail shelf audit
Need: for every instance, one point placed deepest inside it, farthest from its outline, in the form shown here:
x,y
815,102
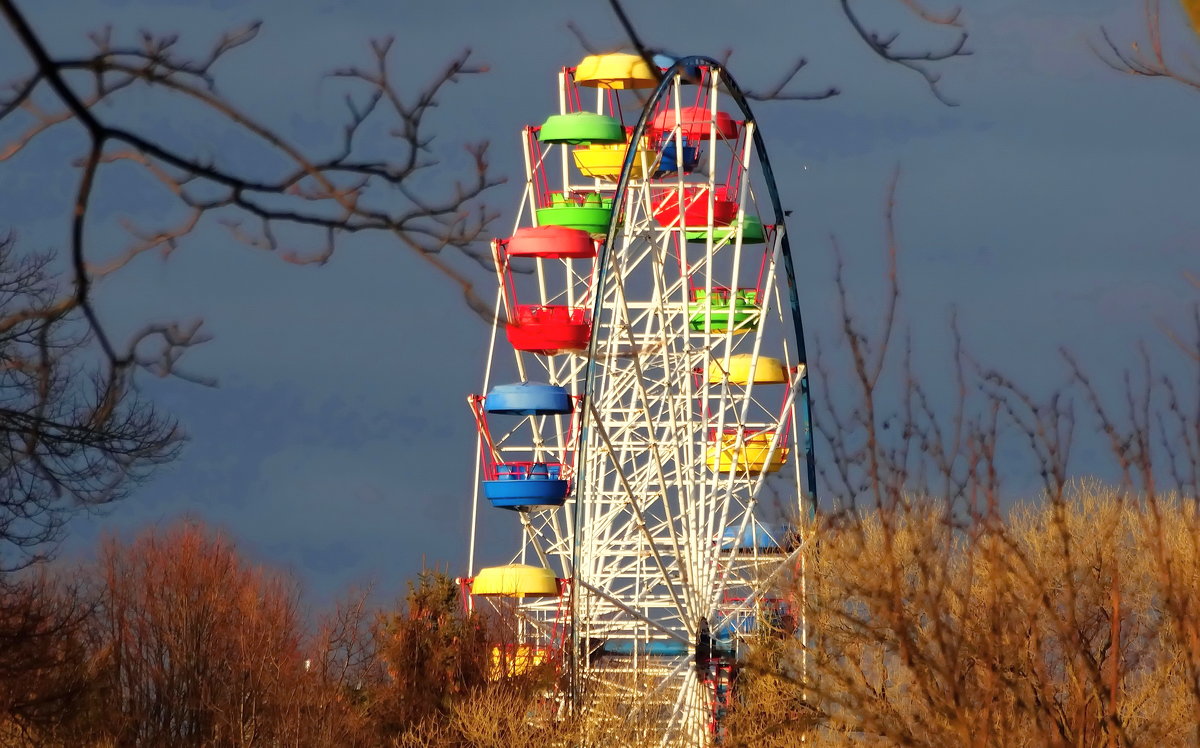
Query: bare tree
x,y
918,60
1154,58
79,436
72,434
45,665
352,188
194,645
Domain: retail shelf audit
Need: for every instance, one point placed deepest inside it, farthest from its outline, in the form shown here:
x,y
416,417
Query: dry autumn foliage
x,y
1066,622
175,639
1062,624
194,645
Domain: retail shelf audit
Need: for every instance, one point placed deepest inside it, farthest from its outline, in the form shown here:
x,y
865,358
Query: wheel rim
x,y
663,541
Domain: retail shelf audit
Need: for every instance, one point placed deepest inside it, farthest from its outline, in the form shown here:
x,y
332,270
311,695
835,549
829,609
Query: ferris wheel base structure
x,y
645,412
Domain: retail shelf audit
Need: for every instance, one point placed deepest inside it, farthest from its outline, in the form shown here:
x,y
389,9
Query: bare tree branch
x,y
882,45
648,54
1140,61
347,191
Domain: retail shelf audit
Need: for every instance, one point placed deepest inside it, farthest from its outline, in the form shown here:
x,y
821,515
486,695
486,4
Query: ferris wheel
x,y
645,406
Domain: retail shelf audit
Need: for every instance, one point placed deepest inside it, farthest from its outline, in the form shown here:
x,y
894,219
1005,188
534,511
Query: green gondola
x,y
576,128
589,213
753,232
722,310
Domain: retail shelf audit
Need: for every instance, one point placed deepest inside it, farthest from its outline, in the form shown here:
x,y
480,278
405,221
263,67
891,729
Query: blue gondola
x,y
521,485
528,399
759,537
739,626
668,164
655,647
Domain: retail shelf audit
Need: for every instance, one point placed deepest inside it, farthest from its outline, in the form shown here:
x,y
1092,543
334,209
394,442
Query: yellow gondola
x,y
766,370
605,161
750,458
511,660
617,70
515,580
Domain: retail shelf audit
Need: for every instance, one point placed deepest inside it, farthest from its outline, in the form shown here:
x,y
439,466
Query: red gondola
x,y
696,123
695,207
549,329
551,242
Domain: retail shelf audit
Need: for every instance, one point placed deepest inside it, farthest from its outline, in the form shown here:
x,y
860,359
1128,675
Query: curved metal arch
x,y
685,65
682,65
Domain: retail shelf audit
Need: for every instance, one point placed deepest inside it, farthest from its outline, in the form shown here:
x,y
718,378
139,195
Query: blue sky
x,y
1054,206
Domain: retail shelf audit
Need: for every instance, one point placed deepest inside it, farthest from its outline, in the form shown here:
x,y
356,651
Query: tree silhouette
x,y
72,434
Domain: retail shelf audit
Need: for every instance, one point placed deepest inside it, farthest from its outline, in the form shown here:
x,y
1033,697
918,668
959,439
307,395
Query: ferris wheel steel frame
x,y
647,574
798,397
